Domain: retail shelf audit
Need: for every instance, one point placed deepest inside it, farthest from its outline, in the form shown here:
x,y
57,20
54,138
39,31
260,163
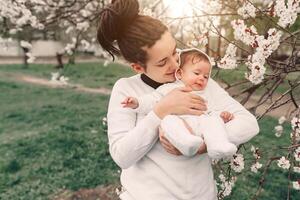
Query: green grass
x,y
51,139
88,74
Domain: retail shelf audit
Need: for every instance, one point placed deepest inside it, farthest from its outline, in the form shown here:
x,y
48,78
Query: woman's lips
x,y
169,74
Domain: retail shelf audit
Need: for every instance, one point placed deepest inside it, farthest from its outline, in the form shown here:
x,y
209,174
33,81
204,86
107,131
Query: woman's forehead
x,y
162,48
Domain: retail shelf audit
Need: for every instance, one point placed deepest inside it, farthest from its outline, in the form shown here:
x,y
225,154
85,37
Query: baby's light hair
x,y
194,56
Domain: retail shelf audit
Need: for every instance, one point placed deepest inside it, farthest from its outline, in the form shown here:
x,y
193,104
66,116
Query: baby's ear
x,y
178,74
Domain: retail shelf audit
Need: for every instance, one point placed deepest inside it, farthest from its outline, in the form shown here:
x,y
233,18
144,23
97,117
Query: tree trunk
x,y
60,64
71,59
25,57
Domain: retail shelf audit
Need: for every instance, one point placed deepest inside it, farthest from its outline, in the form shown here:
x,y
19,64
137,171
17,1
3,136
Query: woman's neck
x,y
152,83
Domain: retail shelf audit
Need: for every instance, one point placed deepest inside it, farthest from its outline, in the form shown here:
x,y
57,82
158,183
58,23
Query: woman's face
x,y
162,59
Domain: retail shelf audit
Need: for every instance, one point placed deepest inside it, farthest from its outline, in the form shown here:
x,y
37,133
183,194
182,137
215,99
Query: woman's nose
x,y
174,62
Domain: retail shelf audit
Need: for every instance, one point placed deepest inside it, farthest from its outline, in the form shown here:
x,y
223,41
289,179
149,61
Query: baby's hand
x,y
130,102
226,116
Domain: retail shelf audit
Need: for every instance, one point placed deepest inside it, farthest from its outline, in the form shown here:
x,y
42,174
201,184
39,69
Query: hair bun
x,y
125,12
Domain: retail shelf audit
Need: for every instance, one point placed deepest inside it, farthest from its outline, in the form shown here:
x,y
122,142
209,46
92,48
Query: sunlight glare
x,y
180,8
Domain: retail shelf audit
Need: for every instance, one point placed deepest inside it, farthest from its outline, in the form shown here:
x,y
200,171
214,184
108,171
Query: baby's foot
x,y
222,150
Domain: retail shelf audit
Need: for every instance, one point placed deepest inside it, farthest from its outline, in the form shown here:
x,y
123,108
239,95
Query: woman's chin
x,y
170,78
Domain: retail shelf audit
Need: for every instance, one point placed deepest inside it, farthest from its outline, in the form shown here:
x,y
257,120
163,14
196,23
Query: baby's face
x,y
195,75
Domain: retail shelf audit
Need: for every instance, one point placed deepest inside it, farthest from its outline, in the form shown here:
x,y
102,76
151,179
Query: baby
x,y
194,71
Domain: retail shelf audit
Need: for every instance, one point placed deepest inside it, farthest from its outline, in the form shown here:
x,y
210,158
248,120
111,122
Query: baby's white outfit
x,y
209,125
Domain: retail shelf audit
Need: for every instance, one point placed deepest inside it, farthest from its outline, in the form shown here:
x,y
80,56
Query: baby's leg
x,y
215,136
177,133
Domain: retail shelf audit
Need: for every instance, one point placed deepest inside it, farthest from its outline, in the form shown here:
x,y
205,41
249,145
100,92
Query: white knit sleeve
x,y
244,126
128,141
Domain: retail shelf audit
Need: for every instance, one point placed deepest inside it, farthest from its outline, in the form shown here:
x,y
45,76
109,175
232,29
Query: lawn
x,y
92,75
53,139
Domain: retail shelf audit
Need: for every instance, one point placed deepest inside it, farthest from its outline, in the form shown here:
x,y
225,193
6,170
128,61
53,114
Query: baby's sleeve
x,y
147,102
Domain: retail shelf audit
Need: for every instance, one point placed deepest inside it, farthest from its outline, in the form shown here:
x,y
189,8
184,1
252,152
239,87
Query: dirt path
x,y
48,83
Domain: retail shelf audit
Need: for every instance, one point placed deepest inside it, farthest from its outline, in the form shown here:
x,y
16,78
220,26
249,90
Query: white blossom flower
x,y
296,185
25,44
257,72
83,26
295,123
255,167
31,58
237,162
255,152
296,169
295,135
278,130
226,186
247,10
13,31
281,120
63,80
69,29
283,163
297,154
104,121
55,76
106,63
287,13
229,60
243,33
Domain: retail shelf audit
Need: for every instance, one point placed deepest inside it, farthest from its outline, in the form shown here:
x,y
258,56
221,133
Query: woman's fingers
x,y
166,144
202,149
200,107
192,111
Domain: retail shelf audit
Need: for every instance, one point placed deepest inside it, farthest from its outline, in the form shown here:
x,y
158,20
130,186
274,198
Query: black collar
x,y
152,83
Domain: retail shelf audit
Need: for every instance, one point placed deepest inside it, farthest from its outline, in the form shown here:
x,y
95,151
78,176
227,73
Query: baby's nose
x,y
200,78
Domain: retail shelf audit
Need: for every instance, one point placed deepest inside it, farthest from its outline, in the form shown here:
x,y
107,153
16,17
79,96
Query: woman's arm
x,y
128,141
244,126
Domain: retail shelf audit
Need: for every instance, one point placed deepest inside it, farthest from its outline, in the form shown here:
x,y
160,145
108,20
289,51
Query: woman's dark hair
x,y
120,22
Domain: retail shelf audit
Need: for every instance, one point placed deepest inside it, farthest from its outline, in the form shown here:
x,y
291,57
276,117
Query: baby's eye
x,y
206,77
196,73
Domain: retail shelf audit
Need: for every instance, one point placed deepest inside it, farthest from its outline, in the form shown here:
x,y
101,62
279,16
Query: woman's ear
x,y
138,68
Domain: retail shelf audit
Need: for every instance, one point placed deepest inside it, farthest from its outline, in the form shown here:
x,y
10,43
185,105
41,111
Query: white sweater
x,y
148,171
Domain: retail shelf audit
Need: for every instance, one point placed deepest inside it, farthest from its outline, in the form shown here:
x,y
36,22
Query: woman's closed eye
x,y
162,64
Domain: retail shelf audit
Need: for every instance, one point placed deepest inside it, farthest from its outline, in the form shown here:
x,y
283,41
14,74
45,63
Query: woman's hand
x,y
179,102
167,145
202,149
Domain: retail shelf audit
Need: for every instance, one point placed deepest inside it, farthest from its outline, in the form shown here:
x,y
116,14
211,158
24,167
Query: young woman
x,y
152,169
